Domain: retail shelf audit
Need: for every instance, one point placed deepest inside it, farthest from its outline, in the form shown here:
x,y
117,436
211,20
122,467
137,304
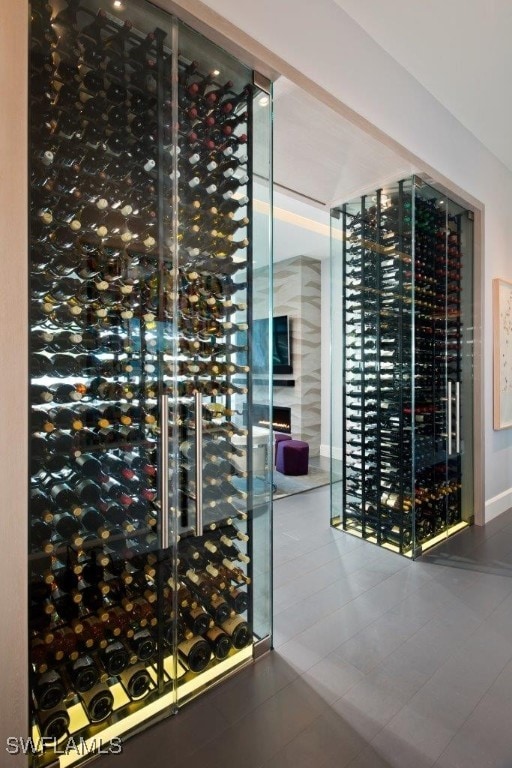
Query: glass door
x,y
220,464
443,231
99,248
432,413
147,470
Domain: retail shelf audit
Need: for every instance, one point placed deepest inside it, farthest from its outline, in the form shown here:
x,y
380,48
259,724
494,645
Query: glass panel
x,y
99,89
377,326
260,377
220,458
464,268
460,506
446,238
433,390
338,332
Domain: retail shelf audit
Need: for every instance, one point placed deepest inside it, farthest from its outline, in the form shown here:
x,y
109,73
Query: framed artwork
x,y
502,312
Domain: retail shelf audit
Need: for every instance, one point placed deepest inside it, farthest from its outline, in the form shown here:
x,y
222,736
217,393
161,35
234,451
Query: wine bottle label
x,y
230,625
214,633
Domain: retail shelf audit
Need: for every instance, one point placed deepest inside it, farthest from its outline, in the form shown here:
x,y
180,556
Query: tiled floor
x,y
378,663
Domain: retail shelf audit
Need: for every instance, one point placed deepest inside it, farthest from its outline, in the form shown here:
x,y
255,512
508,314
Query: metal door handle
x,y
449,426
457,416
164,473
199,464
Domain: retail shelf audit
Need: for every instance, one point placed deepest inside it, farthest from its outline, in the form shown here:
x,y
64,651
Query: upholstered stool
x,y
292,457
278,438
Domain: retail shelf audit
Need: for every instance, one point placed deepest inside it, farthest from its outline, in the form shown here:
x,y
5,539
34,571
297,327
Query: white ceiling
x,y
322,156
320,160
460,50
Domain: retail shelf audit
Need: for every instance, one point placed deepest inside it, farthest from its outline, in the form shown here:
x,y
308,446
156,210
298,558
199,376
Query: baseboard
x,y
498,504
337,453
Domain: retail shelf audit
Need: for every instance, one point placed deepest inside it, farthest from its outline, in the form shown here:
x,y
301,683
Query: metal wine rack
x,y
398,278
142,495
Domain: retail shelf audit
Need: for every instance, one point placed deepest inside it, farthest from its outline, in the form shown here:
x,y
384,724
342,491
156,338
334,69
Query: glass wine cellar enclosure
x,y
402,381
149,549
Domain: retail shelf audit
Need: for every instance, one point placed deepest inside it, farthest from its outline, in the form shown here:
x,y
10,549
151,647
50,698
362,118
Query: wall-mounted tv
x,y
281,345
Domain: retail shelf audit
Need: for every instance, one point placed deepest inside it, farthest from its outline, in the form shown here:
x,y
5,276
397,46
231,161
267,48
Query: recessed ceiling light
x,y
216,72
264,100
118,4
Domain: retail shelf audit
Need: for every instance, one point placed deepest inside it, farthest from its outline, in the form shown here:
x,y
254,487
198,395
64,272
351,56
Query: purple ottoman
x,y
279,437
292,457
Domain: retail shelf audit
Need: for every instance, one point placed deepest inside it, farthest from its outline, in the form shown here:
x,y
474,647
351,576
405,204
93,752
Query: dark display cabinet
x,y
402,366
145,581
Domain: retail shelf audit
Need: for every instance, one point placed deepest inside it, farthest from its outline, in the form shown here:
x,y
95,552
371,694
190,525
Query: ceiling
x,y
320,160
321,155
459,50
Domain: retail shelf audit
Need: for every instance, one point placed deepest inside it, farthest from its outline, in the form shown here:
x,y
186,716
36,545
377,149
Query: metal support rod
x,y
199,463
449,425
164,473
457,416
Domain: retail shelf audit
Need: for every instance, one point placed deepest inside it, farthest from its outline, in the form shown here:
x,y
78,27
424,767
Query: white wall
x,y
328,47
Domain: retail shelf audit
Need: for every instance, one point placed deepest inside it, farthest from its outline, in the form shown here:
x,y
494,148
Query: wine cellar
x,y
145,584
402,318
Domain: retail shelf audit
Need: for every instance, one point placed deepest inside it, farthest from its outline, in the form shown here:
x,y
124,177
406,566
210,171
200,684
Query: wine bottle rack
x,y
402,339
140,300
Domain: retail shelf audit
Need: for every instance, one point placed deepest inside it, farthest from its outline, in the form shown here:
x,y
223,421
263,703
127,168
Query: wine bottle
x,y
84,673
211,598
90,38
67,16
115,657
143,644
53,723
65,393
41,505
136,681
68,528
219,641
98,702
238,631
41,536
64,644
118,517
91,519
65,498
195,653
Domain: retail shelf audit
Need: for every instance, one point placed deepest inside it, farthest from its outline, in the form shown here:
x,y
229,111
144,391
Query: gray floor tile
x,y
412,740
330,632
369,758
332,677
455,573
440,701
299,656
327,741
379,662
369,706
400,674
375,642
253,686
487,592
484,741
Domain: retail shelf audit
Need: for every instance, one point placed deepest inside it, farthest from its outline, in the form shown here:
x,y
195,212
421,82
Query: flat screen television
x,y
281,345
